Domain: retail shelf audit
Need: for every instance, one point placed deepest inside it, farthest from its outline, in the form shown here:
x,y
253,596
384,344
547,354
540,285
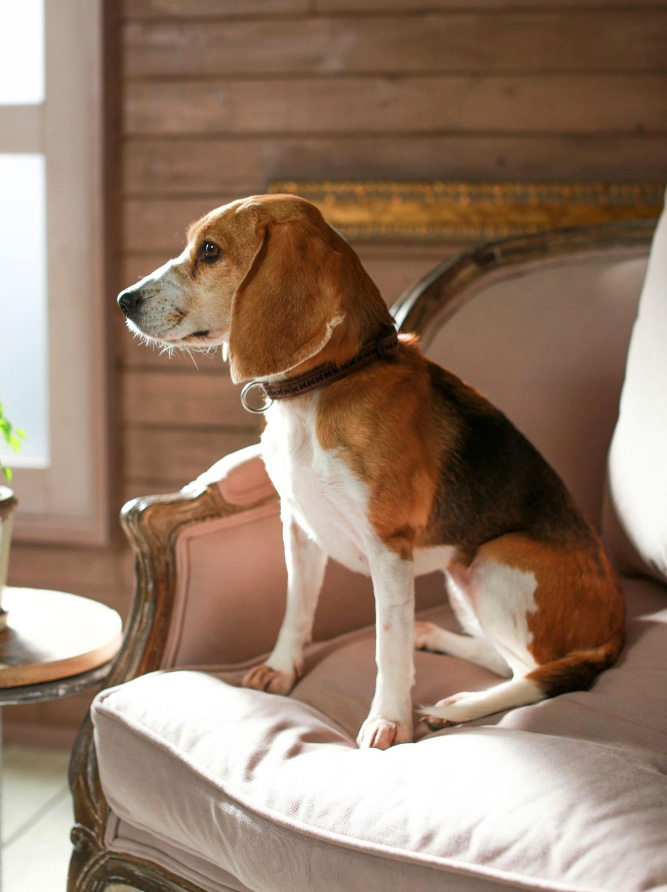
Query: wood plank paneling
x,y
176,455
188,9
537,104
158,225
204,399
244,166
211,8
481,6
102,573
502,42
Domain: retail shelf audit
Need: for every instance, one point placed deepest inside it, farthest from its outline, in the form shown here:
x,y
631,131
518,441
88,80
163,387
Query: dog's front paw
x,y
380,734
265,678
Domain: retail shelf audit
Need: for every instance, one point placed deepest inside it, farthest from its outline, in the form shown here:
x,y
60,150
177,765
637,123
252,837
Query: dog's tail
x,y
578,670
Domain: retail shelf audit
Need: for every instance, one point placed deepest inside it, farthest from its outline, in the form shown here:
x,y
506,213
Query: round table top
x,y
51,636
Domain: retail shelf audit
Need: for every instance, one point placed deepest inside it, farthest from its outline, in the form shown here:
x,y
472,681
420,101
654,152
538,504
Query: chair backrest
x,y
541,326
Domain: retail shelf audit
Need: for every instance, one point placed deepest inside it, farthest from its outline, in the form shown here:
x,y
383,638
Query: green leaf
x,y
12,436
8,474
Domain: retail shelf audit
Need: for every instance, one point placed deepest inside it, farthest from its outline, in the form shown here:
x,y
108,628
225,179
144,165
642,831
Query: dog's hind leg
x,y
475,646
491,601
554,614
477,650
467,706
573,672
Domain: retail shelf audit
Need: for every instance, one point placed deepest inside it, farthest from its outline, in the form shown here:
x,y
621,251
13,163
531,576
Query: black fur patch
x,y
494,482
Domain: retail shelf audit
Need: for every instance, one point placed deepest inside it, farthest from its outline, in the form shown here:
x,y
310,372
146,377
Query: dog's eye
x,y
209,252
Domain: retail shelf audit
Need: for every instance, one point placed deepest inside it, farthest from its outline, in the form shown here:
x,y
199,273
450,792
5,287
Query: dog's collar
x,y
386,344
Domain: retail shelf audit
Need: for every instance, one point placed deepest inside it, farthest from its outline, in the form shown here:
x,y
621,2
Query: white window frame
x,y
68,502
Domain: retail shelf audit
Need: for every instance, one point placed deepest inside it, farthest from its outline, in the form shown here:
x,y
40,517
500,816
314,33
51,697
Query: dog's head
x,y
265,276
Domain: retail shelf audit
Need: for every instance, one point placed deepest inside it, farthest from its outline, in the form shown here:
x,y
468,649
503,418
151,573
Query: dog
x,y
389,464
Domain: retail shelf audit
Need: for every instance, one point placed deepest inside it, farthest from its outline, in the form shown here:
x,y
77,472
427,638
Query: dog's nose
x,y
130,299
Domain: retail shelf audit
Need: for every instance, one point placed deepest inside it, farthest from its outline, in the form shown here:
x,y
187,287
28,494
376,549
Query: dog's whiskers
x,y
192,357
144,339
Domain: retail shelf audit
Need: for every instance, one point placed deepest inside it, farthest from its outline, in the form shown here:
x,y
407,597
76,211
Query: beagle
x,y
389,464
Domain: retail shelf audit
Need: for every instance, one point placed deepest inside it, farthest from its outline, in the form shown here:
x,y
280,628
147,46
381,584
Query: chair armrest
x,y
235,492
186,548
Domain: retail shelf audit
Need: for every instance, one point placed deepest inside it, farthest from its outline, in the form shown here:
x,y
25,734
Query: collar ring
x,y
256,410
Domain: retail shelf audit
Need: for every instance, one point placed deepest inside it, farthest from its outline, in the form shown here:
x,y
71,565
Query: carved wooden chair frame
x,y
153,525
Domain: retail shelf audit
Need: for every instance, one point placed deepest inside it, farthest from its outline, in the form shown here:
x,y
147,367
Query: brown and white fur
x,y
395,471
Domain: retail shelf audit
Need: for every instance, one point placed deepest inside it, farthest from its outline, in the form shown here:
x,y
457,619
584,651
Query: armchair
x,y
184,782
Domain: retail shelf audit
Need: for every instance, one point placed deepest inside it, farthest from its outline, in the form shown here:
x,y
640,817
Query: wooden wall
x,y
219,97
223,97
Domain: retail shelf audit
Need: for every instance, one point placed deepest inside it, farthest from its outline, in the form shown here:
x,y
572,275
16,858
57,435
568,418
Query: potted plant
x,y
12,437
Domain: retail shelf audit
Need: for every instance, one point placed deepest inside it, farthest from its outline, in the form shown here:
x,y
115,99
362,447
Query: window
x,y
52,358
21,52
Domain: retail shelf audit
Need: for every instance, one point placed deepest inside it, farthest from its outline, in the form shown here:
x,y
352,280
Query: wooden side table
x,y
55,644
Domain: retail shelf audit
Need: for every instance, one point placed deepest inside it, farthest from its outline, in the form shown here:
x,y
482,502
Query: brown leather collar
x,y
385,345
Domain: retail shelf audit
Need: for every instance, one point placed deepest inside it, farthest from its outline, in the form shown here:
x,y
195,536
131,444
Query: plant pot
x,y
7,509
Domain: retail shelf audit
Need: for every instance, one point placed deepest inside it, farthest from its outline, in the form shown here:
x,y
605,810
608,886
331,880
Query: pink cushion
x,y
569,794
638,454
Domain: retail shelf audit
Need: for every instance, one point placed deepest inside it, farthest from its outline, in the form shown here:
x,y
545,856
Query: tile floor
x,y
36,819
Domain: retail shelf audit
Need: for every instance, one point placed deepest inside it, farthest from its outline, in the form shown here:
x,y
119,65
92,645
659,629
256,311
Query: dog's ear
x,y
290,300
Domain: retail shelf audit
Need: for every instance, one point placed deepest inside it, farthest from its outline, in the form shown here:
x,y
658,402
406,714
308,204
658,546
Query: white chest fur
x,y
315,485
323,495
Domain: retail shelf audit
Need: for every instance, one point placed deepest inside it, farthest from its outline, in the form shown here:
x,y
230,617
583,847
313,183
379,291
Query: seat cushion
x,y
638,453
245,790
